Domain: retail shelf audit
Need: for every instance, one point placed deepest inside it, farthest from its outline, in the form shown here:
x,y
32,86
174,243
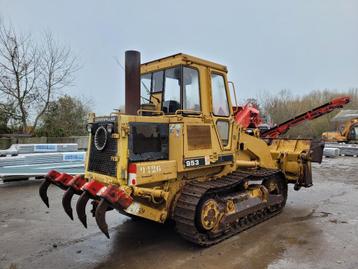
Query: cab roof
x,y
185,58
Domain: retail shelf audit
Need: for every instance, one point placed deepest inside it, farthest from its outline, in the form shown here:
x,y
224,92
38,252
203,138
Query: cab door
x,y
198,134
221,109
353,133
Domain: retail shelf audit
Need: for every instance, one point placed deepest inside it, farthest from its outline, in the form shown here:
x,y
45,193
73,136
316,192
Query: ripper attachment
x,y
104,198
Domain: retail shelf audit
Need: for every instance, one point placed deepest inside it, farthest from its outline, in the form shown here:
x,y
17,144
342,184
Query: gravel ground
x,y
317,229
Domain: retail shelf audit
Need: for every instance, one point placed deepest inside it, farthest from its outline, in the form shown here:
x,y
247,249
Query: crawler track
x,y
185,214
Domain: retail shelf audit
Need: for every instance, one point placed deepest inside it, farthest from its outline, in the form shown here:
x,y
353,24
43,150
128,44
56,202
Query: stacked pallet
x,y
17,149
22,161
42,158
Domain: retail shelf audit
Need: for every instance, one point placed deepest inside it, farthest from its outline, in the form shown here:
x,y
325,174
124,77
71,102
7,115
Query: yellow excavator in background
x,y
348,129
180,155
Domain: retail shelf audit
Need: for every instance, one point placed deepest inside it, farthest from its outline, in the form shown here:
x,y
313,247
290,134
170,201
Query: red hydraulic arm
x,y
248,116
309,115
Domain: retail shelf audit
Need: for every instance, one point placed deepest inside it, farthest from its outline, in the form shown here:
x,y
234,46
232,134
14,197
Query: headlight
x,y
89,127
109,128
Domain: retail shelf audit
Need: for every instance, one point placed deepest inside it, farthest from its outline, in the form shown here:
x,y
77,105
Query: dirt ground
x,y
317,229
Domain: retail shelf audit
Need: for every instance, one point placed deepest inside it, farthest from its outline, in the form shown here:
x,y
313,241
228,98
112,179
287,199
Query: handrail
x,y
140,112
188,111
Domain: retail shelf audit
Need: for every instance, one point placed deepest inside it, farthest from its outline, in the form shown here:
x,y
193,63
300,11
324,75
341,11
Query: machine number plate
x,y
194,162
151,169
202,161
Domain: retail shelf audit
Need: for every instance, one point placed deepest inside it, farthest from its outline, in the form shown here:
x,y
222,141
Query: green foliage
x,y
6,111
3,122
65,117
285,105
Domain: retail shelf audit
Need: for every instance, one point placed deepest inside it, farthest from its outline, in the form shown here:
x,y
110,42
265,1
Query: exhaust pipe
x,y
132,82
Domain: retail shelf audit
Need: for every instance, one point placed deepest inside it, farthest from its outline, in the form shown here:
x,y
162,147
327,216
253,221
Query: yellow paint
x,y
341,135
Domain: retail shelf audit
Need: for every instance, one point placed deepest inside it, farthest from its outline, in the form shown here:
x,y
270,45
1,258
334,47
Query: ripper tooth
x,y
101,216
112,197
43,191
45,184
90,190
74,188
81,208
66,202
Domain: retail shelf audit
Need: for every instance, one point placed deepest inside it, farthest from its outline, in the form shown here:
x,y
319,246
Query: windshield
x,y
145,86
355,133
175,88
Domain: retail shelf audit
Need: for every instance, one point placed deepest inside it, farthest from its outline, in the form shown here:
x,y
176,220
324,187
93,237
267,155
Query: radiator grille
x,y
100,160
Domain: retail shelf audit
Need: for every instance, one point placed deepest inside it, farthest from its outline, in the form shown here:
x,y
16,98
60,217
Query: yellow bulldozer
x,y
177,153
347,132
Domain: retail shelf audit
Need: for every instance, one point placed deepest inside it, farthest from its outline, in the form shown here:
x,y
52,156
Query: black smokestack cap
x,y
132,87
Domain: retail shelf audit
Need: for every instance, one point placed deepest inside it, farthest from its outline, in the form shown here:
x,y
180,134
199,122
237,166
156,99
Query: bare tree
x,y
57,68
30,75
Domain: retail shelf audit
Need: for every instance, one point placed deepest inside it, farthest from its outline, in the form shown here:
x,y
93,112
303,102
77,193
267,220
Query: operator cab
x,y
189,86
175,84
353,133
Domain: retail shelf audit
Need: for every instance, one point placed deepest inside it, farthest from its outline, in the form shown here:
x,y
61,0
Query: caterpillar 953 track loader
x,y
179,154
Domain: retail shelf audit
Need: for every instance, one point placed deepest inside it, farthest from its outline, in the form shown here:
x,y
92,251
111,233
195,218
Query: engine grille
x,y
100,159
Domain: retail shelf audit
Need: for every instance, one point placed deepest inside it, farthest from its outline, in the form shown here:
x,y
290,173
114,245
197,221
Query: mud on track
x,y
317,229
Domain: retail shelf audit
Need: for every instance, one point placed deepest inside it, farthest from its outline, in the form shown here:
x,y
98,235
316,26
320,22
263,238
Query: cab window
x,y
223,130
157,82
172,86
354,133
191,94
145,85
220,101
178,87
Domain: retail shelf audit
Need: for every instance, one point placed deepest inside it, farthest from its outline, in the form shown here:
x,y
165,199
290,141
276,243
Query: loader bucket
x,y
112,197
304,150
313,148
90,190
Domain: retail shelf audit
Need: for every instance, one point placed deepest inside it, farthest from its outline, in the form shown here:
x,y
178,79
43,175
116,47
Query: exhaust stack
x,y
132,80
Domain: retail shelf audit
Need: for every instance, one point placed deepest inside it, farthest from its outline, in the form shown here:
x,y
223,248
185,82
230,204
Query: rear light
x,y
132,174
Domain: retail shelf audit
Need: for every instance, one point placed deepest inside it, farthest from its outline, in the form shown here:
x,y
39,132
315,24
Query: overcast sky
x,y
267,45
